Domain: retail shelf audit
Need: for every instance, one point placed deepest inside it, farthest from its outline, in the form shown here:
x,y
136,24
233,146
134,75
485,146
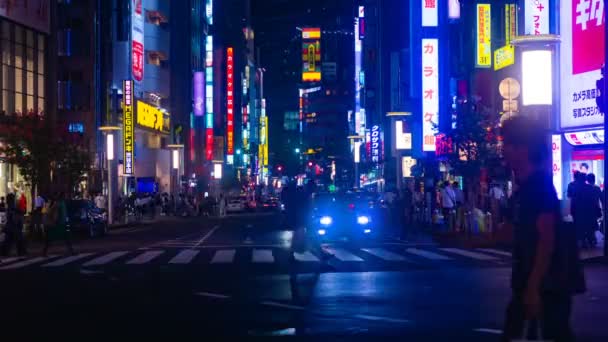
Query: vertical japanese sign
x,y
209,98
311,54
429,13
537,16
556,153
137,40
484,36
430,93
128,133
230,103
375,144
510,22
581,59
358,86
198,93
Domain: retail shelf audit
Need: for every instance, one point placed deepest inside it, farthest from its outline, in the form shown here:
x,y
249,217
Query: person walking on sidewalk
x,y
448,202
540,280
57,227
13,227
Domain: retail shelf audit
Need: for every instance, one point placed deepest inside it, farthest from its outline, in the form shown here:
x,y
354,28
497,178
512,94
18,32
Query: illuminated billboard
x,y
556,157
581,60
430,92
128,129
230,103
537,15
137,40
209,98
429,13
152,118
311,54
198,93
484,37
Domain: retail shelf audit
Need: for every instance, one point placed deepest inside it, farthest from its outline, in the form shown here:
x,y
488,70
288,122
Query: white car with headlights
x,y
339,215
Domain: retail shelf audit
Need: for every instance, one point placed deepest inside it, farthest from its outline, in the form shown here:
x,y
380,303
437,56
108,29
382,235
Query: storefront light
x,y
537,77
175,154
110,146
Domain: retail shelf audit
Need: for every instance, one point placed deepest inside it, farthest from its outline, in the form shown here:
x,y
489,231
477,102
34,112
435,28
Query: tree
x,y
73,162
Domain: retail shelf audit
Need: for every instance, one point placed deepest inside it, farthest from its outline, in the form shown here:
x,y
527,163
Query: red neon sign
x,y
230,101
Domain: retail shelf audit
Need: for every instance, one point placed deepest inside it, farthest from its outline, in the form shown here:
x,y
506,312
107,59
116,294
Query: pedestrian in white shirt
x,y
448,203
100,201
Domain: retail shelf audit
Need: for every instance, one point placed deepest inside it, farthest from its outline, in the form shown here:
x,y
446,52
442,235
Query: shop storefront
x,y
585,154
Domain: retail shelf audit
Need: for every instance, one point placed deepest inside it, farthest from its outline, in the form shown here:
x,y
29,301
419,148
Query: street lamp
x,y
175,164
108,131
356,140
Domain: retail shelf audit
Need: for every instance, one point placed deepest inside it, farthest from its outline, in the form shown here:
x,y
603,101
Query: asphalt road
x,y
196,278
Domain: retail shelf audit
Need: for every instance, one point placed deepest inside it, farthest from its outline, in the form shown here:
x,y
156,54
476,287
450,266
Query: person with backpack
x,y
56,225
546,271
13,227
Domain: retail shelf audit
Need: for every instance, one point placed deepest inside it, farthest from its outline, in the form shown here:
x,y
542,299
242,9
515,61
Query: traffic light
x,y
600,99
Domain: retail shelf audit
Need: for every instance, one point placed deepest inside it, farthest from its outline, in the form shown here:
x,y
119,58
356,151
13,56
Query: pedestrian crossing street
x,y
373,256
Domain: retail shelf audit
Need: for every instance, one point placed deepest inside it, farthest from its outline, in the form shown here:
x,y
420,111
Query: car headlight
x,y
321,232
325,220
363,220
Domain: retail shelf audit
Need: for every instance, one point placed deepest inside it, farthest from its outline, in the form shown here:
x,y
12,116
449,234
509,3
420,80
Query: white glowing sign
x,y
593,137
430,93
537,78
556,157
429,13
537,17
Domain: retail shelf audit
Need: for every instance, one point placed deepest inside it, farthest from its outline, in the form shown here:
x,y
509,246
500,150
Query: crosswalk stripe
x,y
223,256
343,255
305,257
67,260
263,256
384,254
427,254
25,263
104,259
469,254
144,258
9,260
495,251
184,257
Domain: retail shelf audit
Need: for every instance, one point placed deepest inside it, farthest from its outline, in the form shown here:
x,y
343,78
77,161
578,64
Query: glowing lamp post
x,y
175,165
109,133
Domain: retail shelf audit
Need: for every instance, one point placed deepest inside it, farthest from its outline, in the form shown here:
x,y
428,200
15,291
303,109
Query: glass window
x,y
8,104
30,103
40,62
18,103
41,42
30,84
19,56
6,52
30,38
19,34
40,85
6,30
29,58
19,80
6,78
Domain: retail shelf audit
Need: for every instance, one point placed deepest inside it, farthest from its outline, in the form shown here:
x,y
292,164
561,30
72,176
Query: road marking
x,y
212,295
384,254
25,263
305,257
67,260
490,331
469,254
104,259
427,254
343,255
208,235
281,305
184,257
224,256
263,256
144,258
495,251
9,260
89,272
385,319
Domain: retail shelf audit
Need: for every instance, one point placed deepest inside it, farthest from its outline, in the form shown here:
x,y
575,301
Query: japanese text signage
x,y
581,59
429,13
311,54
585,137
375,143
430,93
230,101
198,93
128,133
209,98
484,36
537,17
137,40
556,158
153,118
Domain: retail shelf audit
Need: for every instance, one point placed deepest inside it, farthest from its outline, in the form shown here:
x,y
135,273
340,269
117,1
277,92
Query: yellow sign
x,y
128,133
504,57
151,117
484,36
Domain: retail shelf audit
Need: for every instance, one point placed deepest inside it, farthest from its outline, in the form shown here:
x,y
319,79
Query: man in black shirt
x,y
540,295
